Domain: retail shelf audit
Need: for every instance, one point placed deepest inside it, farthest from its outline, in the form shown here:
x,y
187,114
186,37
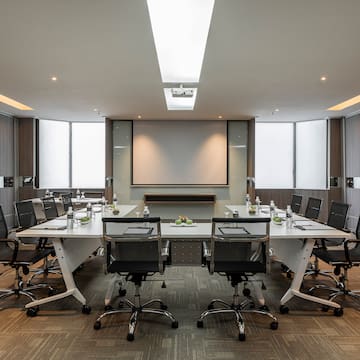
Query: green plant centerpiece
x,y
182,219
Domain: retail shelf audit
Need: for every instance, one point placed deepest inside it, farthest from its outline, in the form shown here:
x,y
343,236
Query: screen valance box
x,y
179,198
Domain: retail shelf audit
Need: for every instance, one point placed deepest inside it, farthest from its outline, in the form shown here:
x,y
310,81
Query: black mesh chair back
x,y
25,214
238,245
66,199
313,208
133,245
337,215
50,208
3,226
296,201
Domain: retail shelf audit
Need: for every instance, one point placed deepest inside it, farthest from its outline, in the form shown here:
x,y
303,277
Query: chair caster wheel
x,y
122,292
284,268
108,307
210,307
274,325
338,312
32,312
130,337
175,324
246,292
264,308
86,309
284,309
242,337
200,324
325,308
163,306
97,325
51,292
288,275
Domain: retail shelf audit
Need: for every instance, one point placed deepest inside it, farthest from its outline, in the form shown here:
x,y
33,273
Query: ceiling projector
x,y
182,92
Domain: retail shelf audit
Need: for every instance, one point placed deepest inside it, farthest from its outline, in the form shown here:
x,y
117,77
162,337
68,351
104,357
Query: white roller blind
x,y
88,155
53,154
274,154
311,149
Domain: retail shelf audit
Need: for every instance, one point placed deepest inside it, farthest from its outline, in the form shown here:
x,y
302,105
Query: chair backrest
x,y
133,245
313,208
3,226
66,199
50,208
337,214
25,214
239,245
296,203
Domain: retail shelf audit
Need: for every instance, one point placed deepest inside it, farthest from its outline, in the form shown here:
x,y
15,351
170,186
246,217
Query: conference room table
x,y
293,246
72,248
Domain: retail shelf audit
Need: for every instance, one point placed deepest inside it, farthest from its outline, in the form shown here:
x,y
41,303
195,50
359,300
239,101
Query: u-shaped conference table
x,y
292,246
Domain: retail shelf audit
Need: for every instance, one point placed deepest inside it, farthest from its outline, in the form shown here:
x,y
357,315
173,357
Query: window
x,y
88,155
84,168
274,155
311,159
275,150
54,140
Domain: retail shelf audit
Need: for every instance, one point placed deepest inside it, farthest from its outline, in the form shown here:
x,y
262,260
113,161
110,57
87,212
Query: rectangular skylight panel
x,y
180,29
179,103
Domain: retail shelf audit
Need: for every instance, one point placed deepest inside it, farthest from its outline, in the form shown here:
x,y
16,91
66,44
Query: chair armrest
x,y
346,248
206,250
165,249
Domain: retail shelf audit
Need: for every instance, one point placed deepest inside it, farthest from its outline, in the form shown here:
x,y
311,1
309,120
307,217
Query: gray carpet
x,y
61,331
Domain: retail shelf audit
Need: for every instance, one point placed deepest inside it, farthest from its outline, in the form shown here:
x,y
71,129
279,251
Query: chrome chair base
x,y
236,308
136,308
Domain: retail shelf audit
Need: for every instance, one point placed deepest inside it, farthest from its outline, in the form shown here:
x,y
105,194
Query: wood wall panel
x,y
109,159
26,146
7,165
336,147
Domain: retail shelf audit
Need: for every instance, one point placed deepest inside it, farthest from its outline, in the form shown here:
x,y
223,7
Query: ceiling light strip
x,y
350,102
13,103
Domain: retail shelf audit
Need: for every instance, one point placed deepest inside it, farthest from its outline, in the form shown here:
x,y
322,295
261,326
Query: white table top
x,y
73,200
199,230
93,229
282,232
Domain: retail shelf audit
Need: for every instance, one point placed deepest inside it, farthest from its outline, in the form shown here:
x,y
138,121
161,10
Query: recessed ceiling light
x,y
277,110
323,78
180,29
345,104
139,116
54,78
95,110
13,103
220,117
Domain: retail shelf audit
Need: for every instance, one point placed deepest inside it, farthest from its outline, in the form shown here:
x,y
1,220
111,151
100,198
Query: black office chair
x,y
20,260
133,247
238,249
66,199
313,208
336,219
296,201
50,208
26,219
342,259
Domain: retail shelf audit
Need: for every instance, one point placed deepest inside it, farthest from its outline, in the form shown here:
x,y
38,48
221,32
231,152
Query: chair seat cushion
x,y
337,256
236,267
133,266
24,256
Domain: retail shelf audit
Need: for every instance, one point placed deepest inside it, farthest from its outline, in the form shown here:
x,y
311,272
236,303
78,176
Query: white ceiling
x,y
260,55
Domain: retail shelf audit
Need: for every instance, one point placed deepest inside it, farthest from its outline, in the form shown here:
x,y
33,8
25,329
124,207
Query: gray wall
x,y
7,165
234,193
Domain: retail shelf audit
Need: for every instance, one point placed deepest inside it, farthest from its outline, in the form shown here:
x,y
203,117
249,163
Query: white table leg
x,y
70,253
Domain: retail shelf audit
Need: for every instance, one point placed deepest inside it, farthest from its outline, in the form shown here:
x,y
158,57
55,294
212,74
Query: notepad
x,y
138,231
233,230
